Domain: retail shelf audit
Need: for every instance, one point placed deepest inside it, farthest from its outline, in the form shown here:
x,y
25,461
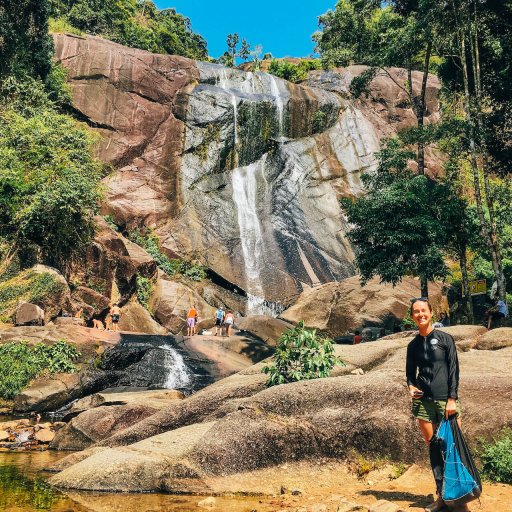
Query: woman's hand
x,y
415,392
451,407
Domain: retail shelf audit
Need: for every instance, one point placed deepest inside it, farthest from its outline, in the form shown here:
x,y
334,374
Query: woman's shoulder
x,y
443,336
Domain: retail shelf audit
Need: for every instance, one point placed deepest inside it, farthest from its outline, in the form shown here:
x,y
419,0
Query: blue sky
x,y
282,27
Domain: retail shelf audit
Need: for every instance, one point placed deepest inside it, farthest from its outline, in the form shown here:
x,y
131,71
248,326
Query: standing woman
x,y
433,379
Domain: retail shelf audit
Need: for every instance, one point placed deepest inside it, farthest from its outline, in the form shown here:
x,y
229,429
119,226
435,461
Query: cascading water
x,y
177,375
245,190
245,182
274,87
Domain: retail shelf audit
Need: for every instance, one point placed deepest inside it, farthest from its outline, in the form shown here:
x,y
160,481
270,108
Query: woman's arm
x,y
452,361
411,369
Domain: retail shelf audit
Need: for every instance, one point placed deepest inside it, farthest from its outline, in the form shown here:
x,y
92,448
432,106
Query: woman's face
x,y
421,313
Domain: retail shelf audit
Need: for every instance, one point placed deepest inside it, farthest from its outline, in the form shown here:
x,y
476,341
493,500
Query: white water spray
x,y
274,87
177,373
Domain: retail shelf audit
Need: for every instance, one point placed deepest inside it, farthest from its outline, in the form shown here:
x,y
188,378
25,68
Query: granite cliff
x,y
239,170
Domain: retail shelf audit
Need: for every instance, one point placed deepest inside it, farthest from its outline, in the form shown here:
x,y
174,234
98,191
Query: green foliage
x,y
496,458
49,181
360,33
360,84
233,51
397,470
301,354
171,266
293,72
111,222
27,286
25,45
405,222
21,362
134,23
144,290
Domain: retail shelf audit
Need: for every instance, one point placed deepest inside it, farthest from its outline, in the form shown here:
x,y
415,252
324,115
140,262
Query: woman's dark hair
x,y
420,299
356,332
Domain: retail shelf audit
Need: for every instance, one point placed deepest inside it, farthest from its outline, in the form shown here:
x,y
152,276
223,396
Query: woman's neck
x,y
425,331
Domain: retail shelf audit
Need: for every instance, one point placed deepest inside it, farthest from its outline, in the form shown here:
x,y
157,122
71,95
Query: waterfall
x,y
177,375
224,84
279,103
245,190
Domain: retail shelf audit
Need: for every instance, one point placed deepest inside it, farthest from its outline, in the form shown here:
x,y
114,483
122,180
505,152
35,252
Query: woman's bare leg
x,y
427,429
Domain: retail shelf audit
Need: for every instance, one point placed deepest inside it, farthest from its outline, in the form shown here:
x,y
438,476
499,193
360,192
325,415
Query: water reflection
x,y
23,488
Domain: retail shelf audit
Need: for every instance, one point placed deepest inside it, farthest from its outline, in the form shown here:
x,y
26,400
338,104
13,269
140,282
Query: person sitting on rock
x,y
191,321
432,371
497,312
97,324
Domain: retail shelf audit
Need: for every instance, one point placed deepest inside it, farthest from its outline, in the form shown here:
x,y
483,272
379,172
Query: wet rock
x,y
44,435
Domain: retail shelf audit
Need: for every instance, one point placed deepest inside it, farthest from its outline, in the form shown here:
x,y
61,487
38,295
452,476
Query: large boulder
x,y
101,415
259,427
171,301
265,328
136,318
337,308
29,314
495,339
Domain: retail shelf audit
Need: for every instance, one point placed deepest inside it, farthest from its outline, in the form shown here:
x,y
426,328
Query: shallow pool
x,y
24,488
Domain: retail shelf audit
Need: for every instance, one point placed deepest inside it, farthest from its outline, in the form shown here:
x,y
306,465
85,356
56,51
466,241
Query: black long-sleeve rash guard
x,y
433,365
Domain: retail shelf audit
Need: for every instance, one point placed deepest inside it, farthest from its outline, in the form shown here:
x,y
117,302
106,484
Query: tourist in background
x,y
497,312
432,370
115,316
229,320
219,320
192,318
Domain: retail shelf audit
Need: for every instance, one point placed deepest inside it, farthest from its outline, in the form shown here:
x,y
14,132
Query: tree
x,y
403,223
49,181
399,34
230,55
25,44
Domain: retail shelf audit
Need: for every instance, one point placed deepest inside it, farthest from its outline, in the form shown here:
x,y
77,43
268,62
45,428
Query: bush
x,y
49,181
144,290
21,362
496,458
171,266
301,354
293,72
27,286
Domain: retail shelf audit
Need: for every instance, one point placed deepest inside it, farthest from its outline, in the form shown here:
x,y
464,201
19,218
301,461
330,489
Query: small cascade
x,y
224,84
274,87
260,306
177,375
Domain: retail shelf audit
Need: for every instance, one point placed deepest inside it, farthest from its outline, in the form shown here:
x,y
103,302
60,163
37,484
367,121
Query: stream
x,y
24,488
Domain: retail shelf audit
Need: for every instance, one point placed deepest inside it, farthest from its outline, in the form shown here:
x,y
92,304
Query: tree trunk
x,y
466,296
420,108
424,286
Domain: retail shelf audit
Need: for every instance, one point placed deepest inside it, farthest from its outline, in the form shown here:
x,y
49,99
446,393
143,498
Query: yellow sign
x,y
478,287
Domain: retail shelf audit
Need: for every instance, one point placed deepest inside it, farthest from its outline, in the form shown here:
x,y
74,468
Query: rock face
x,y
337,308
240,170
29,314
